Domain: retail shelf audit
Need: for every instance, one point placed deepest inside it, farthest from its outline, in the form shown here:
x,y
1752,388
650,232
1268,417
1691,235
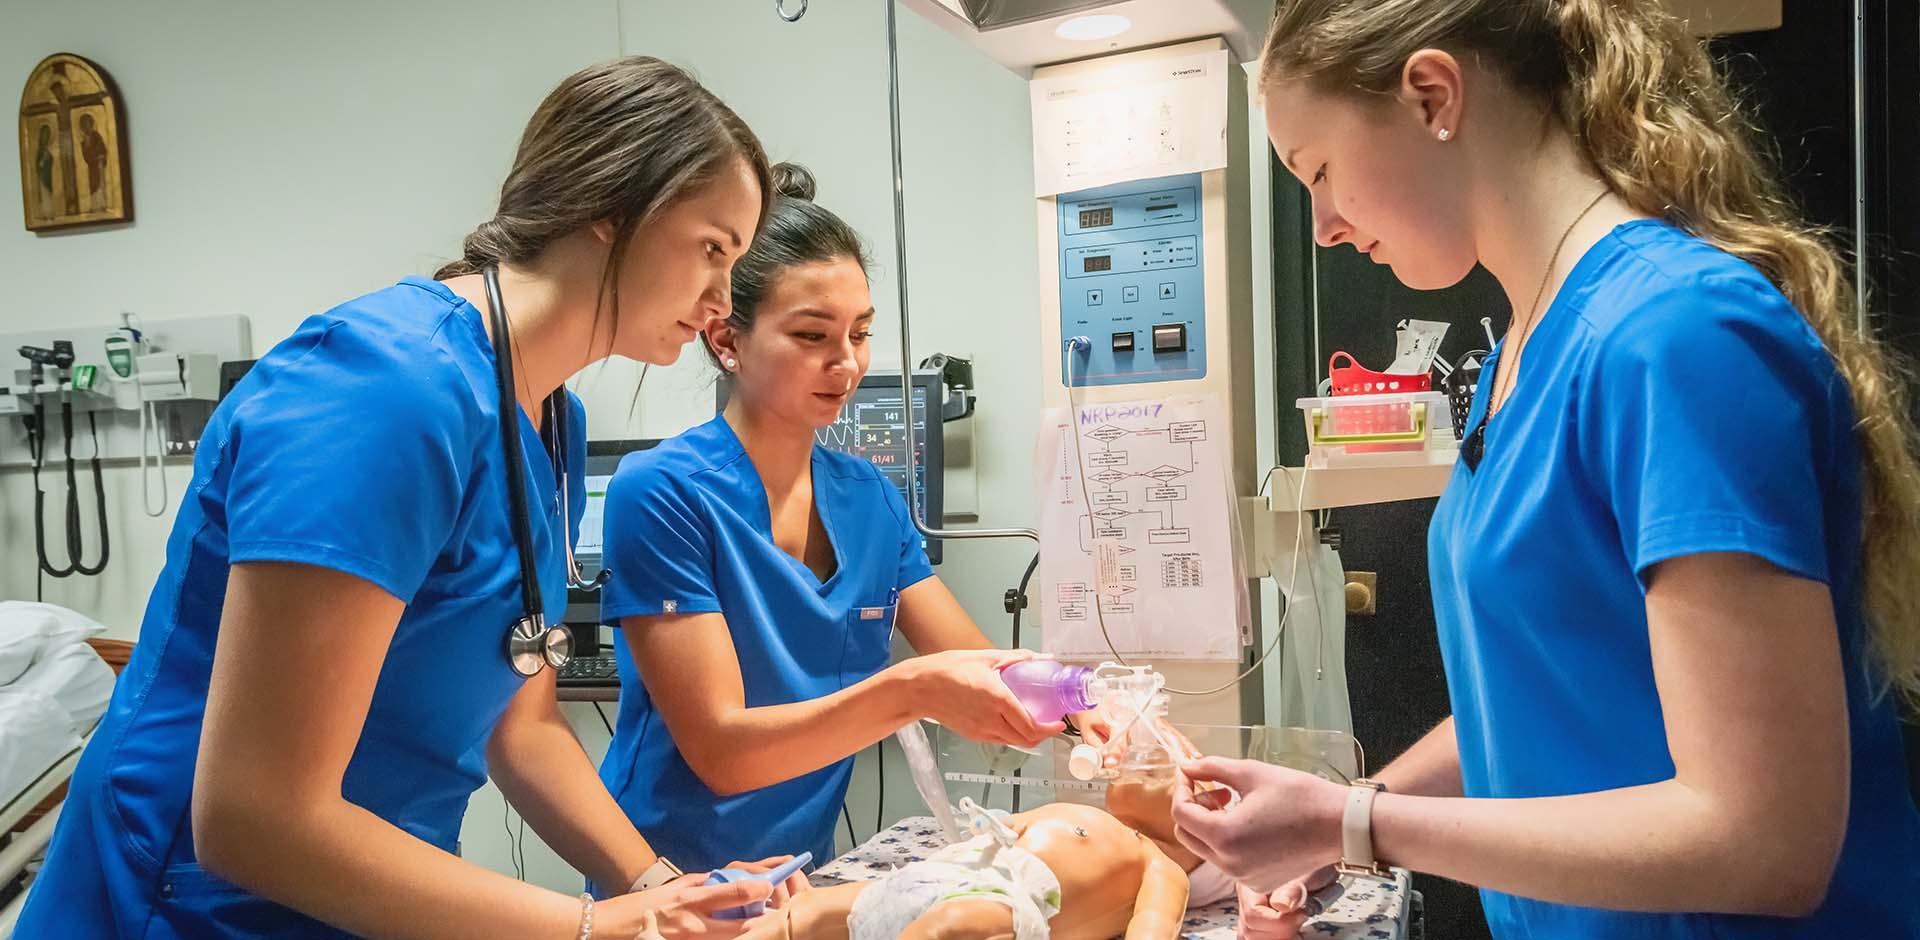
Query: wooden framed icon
x,y
73,146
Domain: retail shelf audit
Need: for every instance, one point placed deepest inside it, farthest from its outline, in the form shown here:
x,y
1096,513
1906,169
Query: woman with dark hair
x,y
347,639
757,631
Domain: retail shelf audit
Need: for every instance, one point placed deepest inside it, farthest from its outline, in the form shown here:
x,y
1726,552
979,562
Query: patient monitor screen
x,y
873,425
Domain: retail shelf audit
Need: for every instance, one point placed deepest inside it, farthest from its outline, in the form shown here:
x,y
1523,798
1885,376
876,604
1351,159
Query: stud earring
x,y
1445,135
732,364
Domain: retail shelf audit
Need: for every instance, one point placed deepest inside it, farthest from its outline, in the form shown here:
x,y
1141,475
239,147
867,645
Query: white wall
x,y
288,156
284,157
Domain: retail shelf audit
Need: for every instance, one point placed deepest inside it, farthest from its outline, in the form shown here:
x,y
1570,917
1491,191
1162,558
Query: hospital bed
x,y
27,844
55,681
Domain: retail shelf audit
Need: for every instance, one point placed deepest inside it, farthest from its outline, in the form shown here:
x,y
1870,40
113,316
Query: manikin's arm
x,y
1162,903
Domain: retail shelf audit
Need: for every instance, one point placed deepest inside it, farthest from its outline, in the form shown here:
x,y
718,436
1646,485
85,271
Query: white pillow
x,y
28,628
74,677
34,732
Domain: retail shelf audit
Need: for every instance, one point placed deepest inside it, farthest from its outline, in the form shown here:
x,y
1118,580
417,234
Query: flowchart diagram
x,y
1136,521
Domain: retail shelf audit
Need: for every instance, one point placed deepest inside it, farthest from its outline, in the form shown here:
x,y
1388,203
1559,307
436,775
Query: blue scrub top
x,y
1672,402
367,442
688,531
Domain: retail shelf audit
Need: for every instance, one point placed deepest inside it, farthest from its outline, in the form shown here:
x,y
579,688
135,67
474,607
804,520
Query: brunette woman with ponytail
x,y
1677,571
325,673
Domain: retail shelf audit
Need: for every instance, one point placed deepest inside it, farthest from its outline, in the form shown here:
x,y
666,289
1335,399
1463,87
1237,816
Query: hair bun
x,y
793,181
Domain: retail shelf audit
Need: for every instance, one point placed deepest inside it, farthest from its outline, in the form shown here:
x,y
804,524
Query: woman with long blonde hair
x,y
1677,570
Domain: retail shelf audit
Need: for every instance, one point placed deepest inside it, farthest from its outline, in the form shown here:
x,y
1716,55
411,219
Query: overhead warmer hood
x,y
1022,34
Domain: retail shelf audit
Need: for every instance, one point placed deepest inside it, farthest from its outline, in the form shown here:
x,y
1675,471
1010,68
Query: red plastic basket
x,y
1354,379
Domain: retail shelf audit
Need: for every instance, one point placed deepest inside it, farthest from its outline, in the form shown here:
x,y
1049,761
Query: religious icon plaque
x,y
73,147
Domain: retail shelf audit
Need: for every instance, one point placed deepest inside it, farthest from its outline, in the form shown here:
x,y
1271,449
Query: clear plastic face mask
x,y
1133,703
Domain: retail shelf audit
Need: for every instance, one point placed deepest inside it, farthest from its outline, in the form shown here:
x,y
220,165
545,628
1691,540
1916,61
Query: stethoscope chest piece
x,y
532,645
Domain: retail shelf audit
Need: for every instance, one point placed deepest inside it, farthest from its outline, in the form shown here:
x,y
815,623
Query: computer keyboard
x,y
589,670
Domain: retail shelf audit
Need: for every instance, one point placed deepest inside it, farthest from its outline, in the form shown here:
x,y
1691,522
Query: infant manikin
x,y
1066,871
1062,870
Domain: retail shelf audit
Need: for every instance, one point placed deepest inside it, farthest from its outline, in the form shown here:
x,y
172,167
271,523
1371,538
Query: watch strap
x,y
657,874
1356,831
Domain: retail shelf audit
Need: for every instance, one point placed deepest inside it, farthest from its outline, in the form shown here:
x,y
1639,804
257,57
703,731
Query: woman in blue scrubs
x,y
758,628
1675,569
322,676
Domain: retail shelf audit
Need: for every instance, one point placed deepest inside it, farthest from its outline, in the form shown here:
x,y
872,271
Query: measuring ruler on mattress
x,y
1090,786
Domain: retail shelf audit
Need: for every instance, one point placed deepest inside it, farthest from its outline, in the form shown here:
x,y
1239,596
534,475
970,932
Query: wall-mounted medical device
x,y
106,387
179,376
150,385
1143,223
1132,280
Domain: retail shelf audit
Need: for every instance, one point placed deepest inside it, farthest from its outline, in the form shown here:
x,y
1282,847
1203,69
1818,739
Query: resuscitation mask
x,y
1132,701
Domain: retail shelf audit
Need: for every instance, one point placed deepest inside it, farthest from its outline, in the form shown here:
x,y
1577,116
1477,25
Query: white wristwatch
x,y
1356,832
657,874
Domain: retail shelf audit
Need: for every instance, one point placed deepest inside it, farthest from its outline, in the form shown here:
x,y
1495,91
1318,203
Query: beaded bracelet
x,y
586,917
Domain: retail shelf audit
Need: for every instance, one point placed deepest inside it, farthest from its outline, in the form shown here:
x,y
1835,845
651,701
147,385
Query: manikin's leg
x,y
965,919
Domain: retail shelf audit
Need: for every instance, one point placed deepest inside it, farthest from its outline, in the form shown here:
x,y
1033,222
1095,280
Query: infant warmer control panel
x,y
1131,281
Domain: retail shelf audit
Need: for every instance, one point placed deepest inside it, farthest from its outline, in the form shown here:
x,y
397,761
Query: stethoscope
x,y
532,644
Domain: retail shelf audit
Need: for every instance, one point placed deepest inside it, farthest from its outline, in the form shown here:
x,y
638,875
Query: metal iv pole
x,y
1860,161
906,321
906,332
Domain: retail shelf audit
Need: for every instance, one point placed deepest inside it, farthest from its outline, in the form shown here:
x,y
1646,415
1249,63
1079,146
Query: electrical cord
x,y
520,849
99,501
880,802
506,822
1099,612
32,420
1016,602
603,718
150,418
37,448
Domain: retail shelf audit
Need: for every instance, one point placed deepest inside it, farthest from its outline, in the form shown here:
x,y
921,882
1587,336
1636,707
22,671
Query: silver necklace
x,y
1498,398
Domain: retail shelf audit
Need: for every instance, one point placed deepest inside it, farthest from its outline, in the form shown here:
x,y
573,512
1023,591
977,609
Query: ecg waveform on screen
x,y
837,436
876,430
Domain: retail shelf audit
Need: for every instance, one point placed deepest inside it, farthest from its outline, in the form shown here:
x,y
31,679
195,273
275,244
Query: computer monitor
x,y
231,372
583,607
873,425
